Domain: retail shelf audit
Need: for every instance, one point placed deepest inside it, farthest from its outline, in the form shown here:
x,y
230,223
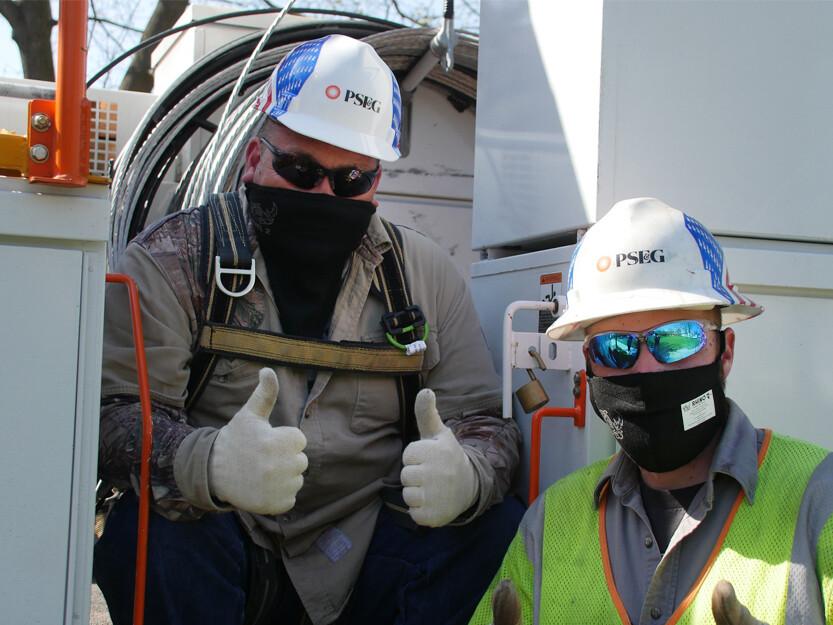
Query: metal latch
x,y
220,271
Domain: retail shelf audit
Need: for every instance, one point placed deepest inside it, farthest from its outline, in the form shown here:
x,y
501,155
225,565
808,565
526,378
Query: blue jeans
x,y
198,570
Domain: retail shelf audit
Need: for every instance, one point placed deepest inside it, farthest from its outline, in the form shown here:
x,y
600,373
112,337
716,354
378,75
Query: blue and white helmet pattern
x,y
338,90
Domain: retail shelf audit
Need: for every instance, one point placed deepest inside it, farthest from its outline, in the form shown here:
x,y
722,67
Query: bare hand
x,y
506,607
726,608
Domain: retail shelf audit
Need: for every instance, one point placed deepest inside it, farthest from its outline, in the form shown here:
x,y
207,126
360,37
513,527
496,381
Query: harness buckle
x,y
406,329
220,271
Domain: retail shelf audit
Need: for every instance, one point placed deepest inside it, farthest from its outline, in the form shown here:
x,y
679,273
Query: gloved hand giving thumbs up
x,y
438,477
726,608
253,466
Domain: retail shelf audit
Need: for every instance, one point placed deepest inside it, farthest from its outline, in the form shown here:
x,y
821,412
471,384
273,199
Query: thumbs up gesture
x,y
253,466
438,477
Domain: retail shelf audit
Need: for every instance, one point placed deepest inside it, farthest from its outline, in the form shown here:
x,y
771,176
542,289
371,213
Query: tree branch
x,y
405,16
104,20
471,7
12,12
32,23
165,15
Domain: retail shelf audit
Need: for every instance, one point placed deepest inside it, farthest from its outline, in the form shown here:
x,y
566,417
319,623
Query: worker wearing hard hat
x,y
701,517
278,491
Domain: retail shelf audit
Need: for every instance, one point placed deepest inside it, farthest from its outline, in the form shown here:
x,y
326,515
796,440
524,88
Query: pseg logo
x,y
635,257
358,99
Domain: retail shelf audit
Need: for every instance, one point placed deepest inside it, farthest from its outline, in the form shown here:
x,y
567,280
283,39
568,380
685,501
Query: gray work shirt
x,y
652,585
350,419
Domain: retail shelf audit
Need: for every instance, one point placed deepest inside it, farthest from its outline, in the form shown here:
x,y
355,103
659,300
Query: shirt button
x,y
649,542
656,613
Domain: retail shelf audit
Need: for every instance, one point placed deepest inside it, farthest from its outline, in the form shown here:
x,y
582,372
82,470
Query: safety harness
x,y
228,269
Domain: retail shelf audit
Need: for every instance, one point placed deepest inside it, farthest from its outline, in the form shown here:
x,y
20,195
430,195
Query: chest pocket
x,y
231,383
377,402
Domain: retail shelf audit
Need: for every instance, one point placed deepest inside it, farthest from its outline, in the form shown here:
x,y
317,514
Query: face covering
x,y
662,420
306,239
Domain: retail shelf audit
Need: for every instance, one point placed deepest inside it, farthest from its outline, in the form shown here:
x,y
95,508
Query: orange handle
x,y
576,413
147,443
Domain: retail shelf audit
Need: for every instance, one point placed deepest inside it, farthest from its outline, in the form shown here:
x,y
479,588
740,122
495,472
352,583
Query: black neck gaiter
x,y
306,239
662,420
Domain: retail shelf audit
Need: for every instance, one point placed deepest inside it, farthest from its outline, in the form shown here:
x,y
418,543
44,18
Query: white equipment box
x,y
720,109
52,251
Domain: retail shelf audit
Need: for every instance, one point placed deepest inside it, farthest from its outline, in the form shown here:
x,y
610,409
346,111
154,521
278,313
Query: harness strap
x,y
390,275
226,252
274,348
223,237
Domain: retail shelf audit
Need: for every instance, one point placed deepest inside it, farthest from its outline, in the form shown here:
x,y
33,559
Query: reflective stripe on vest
x,y
753,550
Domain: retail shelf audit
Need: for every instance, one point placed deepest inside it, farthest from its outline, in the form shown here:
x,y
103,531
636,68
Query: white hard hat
x,y
336,89
642,256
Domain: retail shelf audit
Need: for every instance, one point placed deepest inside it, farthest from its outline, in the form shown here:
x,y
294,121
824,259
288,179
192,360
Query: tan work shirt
x,y
350,420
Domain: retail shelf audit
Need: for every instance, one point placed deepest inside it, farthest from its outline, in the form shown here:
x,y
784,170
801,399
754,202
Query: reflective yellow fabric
x,y
516,567
825,565
573,588
755,554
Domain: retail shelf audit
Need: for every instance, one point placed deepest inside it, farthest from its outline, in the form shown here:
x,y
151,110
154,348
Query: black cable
x,y
448,12
231,15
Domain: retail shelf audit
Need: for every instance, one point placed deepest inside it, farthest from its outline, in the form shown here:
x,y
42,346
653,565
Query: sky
x,y
106,42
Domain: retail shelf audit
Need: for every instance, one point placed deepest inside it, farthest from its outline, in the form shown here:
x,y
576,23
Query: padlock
x,y
532,394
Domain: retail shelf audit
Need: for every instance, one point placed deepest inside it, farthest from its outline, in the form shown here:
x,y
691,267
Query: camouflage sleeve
x,y
492,443
119,455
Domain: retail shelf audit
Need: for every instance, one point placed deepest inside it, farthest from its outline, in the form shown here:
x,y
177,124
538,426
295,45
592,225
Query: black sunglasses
x,y
306,173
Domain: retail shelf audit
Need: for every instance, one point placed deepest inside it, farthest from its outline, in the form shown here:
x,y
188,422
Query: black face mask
x,y
306,239
662,420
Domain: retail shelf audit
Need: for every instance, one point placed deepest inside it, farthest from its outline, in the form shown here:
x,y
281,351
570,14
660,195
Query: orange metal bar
x,y
67,138
70,92
576,413
147,443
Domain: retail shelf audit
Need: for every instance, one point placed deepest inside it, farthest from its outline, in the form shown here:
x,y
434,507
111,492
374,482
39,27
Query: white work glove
x,y
726,608
506,607
438,478
253,466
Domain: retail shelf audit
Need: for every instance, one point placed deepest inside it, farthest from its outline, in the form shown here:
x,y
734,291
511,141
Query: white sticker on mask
x,y
698,410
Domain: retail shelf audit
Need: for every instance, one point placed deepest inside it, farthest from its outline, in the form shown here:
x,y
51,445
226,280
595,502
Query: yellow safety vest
x,y
753,550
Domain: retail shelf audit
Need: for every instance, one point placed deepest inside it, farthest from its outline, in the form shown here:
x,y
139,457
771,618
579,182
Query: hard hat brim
x,y
572,325
336,135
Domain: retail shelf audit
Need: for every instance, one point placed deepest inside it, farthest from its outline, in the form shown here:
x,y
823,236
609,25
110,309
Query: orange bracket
x,y
59,129
147,443
576,413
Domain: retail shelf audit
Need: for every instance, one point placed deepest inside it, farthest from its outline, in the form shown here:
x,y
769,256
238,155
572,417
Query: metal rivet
x,y
39,153
41,122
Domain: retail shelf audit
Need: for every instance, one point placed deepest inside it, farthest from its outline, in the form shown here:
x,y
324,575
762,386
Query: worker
x,y
320,487
700,517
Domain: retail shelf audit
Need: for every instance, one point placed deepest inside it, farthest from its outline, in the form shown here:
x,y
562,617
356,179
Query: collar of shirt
x,y
736,456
